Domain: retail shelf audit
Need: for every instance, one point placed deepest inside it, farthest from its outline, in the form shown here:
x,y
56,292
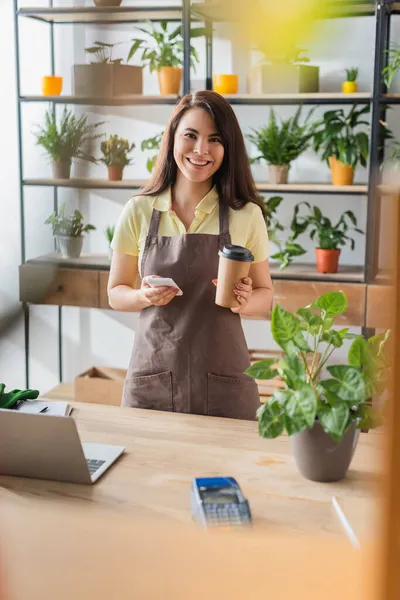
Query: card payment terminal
x,y
219,502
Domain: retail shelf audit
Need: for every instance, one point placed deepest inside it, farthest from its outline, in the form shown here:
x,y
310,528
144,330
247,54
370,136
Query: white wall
x,y
105,337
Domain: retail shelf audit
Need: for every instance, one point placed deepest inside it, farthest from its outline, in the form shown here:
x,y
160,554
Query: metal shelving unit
x,y
378,99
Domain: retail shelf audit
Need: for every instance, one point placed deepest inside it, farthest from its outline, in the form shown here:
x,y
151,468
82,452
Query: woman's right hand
x,y
160,296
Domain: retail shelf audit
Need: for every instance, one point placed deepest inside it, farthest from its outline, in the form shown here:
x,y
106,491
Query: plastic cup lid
x,y
238,253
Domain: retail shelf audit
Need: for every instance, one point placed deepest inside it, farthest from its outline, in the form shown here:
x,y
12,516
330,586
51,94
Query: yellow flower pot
x,y
226,84
341,174
52,85
169,80
349,87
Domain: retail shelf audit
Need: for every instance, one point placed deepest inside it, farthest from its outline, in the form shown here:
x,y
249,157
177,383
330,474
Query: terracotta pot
x,y
278,173
52,85
101,3
115,173
169,80
226,84
349,87
327,260
70,247
319,458
62,169
341,174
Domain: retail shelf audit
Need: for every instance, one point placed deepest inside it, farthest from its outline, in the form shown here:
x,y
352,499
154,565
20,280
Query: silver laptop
x,y
49,447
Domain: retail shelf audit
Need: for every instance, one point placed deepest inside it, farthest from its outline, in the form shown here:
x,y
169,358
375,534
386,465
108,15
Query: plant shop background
x,y
102,337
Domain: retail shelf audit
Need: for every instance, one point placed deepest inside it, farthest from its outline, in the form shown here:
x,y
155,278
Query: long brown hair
x,y
233,180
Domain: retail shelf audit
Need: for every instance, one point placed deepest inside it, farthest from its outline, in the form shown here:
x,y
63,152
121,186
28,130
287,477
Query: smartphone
x,y
162,281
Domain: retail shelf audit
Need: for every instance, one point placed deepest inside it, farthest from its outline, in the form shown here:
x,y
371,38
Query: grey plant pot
x,y
70,247
319,458
62,169
283,79
107,80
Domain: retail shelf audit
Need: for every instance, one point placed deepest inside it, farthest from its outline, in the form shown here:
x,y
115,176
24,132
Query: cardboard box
x,y
106,80
100,385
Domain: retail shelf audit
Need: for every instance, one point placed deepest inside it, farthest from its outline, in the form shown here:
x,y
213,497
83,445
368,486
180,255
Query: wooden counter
x,y
164,451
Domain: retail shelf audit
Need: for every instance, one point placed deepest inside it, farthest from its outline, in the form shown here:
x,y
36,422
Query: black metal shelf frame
x,y
382,9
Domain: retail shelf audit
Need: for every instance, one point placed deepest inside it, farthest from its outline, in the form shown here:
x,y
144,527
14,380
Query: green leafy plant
x,y
71,226
281,143
115,151
288,251
152,144
67,139
393,65
273,225
327,235
109,231
351,74
308,339
335,135
289,55
102,53
161,48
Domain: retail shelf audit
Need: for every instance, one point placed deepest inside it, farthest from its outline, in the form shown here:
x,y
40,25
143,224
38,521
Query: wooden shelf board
x,y
323,188
315,98
87,183
391,98
298,271
131,100
93,14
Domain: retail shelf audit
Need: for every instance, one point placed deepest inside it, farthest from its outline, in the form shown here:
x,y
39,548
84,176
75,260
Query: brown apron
x,y
189,356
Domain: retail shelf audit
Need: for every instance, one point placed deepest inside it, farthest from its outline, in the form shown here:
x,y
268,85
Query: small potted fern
x,y
279,144
350,86
115,156
66,140
68,231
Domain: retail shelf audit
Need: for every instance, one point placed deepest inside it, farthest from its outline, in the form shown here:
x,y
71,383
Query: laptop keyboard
x,y
94,464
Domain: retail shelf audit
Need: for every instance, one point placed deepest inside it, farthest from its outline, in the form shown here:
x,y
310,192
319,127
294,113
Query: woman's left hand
x,y
242,291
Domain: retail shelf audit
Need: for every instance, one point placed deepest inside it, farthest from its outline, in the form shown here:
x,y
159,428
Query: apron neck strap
x,y
155,222
223,219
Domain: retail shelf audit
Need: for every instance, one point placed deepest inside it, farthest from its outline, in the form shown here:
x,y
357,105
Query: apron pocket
x,y
149,391
232,397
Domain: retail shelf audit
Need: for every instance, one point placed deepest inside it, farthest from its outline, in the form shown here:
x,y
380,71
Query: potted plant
x,y
329,237
110,230
106,76
281,143
285,72
68,231
153,145
349,86
341,144
115,156
66,140
321,407
162,51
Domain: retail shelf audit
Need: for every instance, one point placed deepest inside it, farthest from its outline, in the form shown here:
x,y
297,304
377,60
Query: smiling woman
x,y
190,354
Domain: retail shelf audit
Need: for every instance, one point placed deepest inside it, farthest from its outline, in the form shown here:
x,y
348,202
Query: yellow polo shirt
x,y
247,226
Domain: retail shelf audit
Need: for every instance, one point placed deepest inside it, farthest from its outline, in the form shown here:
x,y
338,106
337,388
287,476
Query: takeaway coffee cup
x,y
234,265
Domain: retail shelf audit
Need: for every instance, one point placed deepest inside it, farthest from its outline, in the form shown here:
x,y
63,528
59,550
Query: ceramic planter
x,y
101,3
341,174
319,458
115,173
278,174
283,79
70,247
327,260
349,87
169,80
226,84
62,169
52,85
106,80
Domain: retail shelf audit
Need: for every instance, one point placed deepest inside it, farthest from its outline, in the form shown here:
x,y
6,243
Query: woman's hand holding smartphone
x,y
159,291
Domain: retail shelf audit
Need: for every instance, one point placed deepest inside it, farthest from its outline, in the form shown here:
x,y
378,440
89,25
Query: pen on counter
x,y
345,523
44,409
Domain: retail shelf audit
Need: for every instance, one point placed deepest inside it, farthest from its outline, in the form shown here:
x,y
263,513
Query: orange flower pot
x,y
341,174
327,260
226,84
349,87
115,173
52,85
169,80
